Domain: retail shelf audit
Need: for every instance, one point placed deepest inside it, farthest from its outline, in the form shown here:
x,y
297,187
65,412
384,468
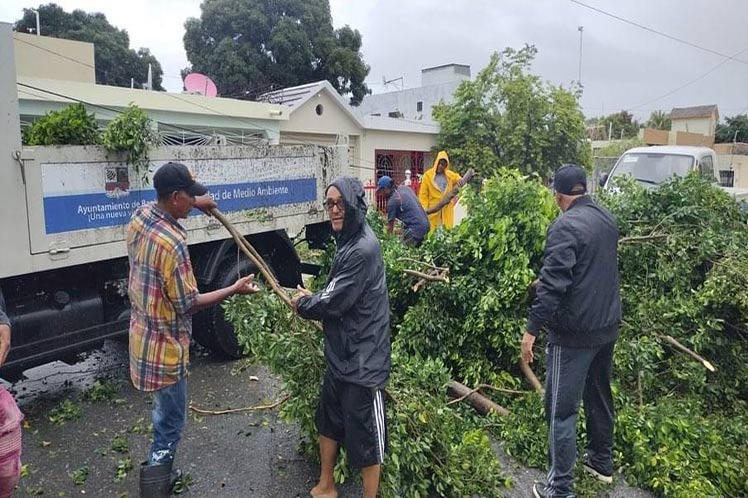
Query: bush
x,y
131,134
69,126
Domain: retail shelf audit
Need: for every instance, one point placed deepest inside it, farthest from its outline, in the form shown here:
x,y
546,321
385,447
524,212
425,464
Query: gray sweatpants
x,y
574,374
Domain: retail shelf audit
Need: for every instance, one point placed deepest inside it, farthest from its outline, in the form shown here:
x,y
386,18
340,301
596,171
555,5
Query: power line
x,y
660,33
691,82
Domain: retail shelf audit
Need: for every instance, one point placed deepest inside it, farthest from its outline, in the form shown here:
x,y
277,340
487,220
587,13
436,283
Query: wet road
x,y
249,454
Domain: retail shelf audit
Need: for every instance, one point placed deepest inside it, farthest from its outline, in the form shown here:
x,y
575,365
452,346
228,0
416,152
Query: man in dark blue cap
x,y
403,205
578,302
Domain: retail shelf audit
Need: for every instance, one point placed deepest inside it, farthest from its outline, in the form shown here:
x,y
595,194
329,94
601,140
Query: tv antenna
x,y
386,82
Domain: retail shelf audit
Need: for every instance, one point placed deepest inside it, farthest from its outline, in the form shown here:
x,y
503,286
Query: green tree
x,y
623,125
659,120
736,128
115,61
252,46
508,117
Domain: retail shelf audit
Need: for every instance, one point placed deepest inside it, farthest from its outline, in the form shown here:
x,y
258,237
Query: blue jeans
x,y
169,415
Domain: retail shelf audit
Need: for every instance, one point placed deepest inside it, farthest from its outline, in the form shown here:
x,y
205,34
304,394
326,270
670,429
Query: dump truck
x,y
64,268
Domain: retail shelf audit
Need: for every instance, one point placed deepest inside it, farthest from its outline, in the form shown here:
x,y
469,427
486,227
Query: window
x,y
706,167
726,178
419,106
394,114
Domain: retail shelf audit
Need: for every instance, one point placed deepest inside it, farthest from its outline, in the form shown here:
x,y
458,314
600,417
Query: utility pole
x,y
579,76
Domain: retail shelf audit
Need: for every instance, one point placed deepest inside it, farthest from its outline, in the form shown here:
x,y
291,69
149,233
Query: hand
x,y
4,343
300,292
246,285
527,342
205,203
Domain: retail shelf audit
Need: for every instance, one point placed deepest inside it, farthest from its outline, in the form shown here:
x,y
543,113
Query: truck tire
x,y
210,327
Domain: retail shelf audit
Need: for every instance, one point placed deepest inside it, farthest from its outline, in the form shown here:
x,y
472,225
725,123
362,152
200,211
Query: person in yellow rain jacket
x,y
437,181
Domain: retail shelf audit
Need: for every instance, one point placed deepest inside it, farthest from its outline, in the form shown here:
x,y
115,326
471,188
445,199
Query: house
x,y
377,145
437,84
701,119
54,73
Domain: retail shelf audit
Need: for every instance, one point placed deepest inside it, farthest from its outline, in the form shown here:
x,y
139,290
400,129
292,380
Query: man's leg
x,y
370,476
169,415
565,375
328,452
329,422
599,411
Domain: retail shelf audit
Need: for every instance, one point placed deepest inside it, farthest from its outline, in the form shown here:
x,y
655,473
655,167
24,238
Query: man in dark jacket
x,y
403,205
578,302
355,314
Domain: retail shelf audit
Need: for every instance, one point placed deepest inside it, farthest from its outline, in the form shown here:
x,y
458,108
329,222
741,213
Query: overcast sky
x,y
623,66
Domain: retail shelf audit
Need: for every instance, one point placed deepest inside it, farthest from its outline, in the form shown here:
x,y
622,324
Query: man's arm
x,y
392,209
555,276
4,336
244,286
341,292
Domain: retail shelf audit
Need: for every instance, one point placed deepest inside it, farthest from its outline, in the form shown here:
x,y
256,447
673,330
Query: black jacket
x,y
578,298
354,306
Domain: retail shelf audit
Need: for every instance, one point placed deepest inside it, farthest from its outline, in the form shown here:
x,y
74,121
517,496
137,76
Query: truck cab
x,y
652,166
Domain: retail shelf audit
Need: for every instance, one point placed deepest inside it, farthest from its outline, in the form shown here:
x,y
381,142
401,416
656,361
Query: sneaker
x,y
599,475
538,490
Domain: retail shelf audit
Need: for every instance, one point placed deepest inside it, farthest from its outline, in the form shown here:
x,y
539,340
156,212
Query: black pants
x,y
574,374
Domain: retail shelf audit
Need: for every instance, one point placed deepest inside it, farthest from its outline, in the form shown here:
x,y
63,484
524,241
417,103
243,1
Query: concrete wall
x,y
406,101
36,57
703,126
332,120
736,163
374,140
445,74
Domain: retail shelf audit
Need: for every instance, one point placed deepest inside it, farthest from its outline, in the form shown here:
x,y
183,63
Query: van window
x,y
706,168
652,168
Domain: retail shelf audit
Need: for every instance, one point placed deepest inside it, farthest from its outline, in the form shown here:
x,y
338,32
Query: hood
x,y
355,207
441,155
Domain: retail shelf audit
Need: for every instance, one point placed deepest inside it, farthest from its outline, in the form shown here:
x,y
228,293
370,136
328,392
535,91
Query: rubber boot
x,y
155,480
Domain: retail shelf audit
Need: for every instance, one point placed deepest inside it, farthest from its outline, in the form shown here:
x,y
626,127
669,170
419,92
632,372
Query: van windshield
x,y
653,168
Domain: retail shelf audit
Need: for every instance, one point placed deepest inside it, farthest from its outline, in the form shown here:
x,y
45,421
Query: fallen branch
x,y
486,386
641,238
452,193
438,268
238,410
426,276
481,404
674,342
530,375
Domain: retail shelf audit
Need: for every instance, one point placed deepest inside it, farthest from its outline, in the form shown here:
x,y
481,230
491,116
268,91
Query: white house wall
x,y
374,140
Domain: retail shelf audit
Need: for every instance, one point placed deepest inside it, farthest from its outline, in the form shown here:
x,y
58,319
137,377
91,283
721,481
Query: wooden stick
x,y
481,404
440,268
452,193
253,256
486,386
427,277
238,410
641,238
530,375
674,342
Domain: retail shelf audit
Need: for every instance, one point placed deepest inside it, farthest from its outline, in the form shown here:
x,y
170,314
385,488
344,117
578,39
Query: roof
x,y
701,111
398,124
296,96
682,150
66,92
445,65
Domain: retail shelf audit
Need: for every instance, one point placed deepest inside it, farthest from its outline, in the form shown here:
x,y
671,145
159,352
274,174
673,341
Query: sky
x,y
623,66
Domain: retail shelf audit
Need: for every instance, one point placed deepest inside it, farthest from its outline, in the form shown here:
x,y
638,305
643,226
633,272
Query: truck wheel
x,y
210,327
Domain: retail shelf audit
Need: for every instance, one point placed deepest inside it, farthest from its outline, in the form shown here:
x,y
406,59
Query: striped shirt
x,y
162,290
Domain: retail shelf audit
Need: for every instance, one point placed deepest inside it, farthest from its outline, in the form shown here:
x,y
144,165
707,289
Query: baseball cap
x,y
175,176
384,182
567,176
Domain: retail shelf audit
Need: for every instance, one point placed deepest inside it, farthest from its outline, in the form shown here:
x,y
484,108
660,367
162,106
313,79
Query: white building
x,y
437,84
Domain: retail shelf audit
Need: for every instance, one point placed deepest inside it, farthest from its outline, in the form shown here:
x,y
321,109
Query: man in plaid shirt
x,y
163,296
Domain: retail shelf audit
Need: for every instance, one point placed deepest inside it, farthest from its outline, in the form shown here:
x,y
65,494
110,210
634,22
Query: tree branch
x,y
674,342
481,404
530,375
238,410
